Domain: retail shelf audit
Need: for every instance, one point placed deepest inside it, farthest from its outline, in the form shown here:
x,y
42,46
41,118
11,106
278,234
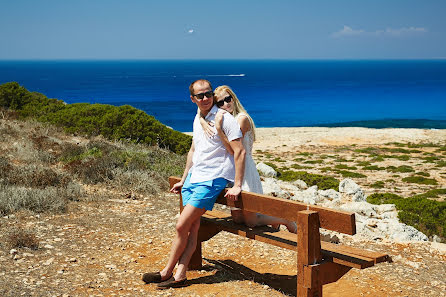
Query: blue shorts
x,y
203,194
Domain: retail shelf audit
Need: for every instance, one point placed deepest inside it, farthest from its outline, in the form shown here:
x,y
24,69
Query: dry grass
x,y
42,169
17,237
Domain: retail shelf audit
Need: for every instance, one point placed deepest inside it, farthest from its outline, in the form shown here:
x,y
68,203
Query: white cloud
x,y
347,31
400,31
405,31
190,31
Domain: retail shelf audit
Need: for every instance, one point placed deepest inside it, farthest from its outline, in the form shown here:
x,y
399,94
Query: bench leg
x,y
308,252
205,232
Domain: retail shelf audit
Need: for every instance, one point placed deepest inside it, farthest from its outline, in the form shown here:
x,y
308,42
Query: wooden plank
x,y
376,256
285,239
335,220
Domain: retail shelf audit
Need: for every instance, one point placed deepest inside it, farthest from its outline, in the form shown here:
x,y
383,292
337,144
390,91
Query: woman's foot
x,y
292,227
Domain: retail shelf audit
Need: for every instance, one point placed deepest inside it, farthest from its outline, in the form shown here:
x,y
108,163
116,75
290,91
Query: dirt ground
x,y
102,248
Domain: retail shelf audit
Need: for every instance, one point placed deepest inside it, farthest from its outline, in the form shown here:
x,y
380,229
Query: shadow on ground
x,y
228,270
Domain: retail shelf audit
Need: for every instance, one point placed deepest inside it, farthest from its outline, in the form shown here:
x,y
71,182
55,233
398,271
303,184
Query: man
x,y
209,167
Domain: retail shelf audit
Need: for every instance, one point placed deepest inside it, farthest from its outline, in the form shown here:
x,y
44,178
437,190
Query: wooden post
x,y
308,252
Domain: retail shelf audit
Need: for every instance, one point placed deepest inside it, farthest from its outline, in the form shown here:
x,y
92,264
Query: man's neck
x,y
204,113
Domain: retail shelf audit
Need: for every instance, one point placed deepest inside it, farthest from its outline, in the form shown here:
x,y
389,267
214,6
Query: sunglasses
x,y
208,94
222,102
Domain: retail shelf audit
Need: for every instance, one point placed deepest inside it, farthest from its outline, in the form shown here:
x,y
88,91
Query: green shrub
x,y
343,166
431,159
426,174
340,160
420,180
314,162
402,169
297,166
322,182
441,164
377,159
383,198
373,167
377,185
432,193
399,157
364,163
350,174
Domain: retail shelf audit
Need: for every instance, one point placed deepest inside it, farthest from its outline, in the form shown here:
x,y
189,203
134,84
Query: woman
x,y
226,99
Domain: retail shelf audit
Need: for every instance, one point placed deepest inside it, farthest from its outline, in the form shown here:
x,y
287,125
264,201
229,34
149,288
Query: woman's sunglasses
x,y
208,94
222,102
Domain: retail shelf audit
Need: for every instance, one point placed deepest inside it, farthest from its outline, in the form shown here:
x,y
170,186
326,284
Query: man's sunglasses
x,y
222,102
208,94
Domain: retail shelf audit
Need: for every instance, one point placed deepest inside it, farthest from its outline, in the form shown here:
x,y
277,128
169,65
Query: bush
x,y
420,180
377,185
343,166
113,122
51,199
322,182
351,174
18,237
373,167
402,169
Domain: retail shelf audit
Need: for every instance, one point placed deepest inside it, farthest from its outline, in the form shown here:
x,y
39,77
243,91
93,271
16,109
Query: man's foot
x,y
153,277
171,283
292,227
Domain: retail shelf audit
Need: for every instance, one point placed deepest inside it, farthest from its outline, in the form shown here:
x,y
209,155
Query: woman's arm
x,y
207,126
218,126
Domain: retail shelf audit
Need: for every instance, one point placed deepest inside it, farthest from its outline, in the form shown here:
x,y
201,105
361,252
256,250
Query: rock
x,y
363,208
300,184
110,266
266,170
349,187
13,251
48,246
309,196
270,187
329,194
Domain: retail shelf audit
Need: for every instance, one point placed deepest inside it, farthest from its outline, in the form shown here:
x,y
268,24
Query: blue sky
x,y
230,29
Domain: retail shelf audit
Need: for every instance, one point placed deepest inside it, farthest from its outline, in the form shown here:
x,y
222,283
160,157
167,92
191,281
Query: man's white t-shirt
x,y
211,160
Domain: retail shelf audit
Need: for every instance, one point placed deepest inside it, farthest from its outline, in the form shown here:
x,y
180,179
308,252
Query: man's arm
x,y
176,187
239,158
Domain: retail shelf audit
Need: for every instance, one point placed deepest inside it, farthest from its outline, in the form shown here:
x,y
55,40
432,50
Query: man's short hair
x,y
191,87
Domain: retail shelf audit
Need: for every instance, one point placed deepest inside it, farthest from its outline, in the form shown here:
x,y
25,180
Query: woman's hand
x,y
219,119
207,128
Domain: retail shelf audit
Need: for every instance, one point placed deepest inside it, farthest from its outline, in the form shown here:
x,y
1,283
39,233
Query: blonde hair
x,y
238,107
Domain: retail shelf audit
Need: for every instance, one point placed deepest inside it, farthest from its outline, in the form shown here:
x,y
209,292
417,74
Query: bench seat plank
x,y
344,255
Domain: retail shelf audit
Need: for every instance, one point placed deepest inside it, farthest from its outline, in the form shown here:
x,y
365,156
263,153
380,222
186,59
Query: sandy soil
x,y
285,139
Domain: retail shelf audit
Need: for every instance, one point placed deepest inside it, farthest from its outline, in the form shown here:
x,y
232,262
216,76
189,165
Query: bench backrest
x,y
335,220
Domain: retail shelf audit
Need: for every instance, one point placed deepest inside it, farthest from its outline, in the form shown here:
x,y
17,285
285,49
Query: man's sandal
x,y
172,283
153,277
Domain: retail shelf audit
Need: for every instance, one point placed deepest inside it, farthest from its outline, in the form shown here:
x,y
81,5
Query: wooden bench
x,y
318,262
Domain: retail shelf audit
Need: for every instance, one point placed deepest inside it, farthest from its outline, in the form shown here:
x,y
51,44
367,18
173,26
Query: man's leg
x,y
187,219
183,263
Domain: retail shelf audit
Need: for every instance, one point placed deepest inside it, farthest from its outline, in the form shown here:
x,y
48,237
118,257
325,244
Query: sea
x,y
276,93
